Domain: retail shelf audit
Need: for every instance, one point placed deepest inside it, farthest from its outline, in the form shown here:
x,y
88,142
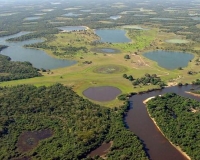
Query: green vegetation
x,y
178,118
10,70
197,82
146,80
38,34
78,126
2,47
126,56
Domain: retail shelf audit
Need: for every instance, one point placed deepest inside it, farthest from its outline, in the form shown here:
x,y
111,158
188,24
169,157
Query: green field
x,y
83,75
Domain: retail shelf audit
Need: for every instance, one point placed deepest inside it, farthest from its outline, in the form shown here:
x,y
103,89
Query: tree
x,y
147,75
125,76
130,78
127,56
180,68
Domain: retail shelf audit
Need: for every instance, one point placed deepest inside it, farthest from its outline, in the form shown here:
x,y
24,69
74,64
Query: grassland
x,y
81,76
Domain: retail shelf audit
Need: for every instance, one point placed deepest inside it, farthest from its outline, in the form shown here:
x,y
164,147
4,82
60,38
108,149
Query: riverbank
x,y
194,94
155,123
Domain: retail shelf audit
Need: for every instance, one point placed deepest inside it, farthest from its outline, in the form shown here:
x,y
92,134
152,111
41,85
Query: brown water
x,y
102,93
139,122
30,139
102,150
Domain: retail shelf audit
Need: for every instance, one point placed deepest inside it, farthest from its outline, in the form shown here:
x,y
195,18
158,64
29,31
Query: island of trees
x,y
178,118
10,70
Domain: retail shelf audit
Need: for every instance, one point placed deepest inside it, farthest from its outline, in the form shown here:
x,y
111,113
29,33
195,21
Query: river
x,y
139,122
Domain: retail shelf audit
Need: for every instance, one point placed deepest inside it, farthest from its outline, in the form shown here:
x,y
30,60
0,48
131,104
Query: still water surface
x,y
169,59
112,35
38,58
139,122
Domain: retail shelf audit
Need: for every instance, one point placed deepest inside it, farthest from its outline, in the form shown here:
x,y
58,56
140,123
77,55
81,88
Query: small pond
x,y
196,18
102,150
105,50
32,18
112,35
140,15
30,139
86,10
115,17
178,41
102,93
38,58
72,28
163,19
169,59
71,14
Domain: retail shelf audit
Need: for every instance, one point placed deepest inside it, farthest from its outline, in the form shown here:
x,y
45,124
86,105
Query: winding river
x,y
139,122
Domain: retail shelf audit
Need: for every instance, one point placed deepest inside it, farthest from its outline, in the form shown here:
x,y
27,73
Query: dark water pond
x,y
102,93
169,59
72,28
30,139
102,150
38,58
139,122
112,35
105,50
108,50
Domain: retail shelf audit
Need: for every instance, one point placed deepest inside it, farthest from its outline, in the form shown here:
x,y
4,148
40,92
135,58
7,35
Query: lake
x,y
71,14
169,59
32,18
163,19
72,28
196,18
38,58
112,35
86,10
115,17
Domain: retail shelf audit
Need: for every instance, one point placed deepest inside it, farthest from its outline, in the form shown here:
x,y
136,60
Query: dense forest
x,y
10,70
75,125
178,118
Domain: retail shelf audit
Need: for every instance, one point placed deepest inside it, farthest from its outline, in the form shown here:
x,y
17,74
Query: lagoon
x,y
71,14
32,18
38,58
112,35
115,17
169,59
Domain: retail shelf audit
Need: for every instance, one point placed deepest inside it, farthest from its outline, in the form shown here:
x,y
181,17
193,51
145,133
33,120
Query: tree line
x,y
178,118
10,70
